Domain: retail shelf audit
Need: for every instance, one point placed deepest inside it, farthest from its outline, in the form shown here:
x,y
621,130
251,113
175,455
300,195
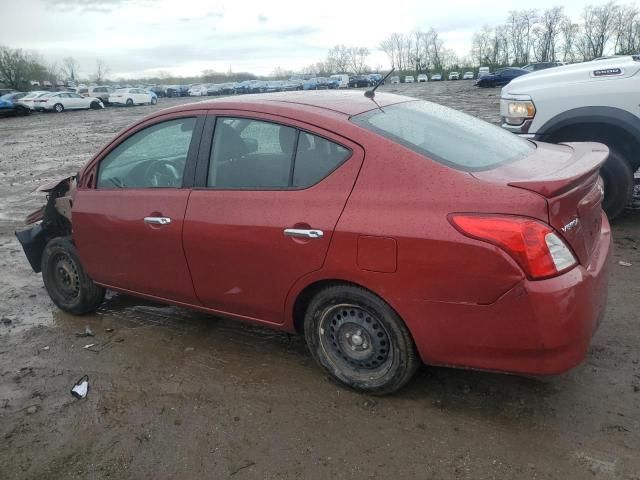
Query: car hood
x,y
594,71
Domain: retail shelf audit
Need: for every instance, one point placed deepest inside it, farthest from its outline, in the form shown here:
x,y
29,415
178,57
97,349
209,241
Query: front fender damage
x,y
49,221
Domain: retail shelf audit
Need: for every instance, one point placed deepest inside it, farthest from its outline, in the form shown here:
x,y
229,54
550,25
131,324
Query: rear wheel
x,y
359,340
66,282
618,184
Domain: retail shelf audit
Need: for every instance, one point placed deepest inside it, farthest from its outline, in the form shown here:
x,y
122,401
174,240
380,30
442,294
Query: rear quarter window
x,y
445,135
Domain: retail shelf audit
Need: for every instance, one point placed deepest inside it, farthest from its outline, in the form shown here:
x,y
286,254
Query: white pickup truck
x,y
591,101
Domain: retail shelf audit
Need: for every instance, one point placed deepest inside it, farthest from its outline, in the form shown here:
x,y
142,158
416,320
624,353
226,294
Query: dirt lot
x,y
177,394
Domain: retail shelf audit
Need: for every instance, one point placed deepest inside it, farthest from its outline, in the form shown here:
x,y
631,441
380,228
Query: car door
x,y
267,200
128,212
77,101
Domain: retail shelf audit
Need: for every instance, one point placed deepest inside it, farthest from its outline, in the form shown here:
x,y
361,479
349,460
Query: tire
x,y
618,184
95,105
359,340
22,111
58,108
129,102
66,282
154,101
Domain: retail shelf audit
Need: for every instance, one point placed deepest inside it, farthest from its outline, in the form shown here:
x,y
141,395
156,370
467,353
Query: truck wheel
x,y
66,282
618,184
359,340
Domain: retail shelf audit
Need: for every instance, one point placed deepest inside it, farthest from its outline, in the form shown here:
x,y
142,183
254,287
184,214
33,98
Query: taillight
x,y
534,245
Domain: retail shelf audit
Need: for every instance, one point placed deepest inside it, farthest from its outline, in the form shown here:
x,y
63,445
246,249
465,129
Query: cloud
x,y
262,18
97,6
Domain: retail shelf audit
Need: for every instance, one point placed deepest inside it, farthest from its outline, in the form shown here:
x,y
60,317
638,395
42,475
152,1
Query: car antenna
x,y
372,93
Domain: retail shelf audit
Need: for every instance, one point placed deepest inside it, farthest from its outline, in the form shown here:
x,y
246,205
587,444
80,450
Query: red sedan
x,y
388,232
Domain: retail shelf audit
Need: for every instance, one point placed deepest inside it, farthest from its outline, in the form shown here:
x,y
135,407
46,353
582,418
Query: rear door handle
x,y
157,220
301,233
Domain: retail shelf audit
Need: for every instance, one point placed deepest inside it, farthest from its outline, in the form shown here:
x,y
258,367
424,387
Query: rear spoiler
x,y
587,158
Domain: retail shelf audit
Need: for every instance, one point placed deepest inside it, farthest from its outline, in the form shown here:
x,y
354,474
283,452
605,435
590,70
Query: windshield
x,y
445,135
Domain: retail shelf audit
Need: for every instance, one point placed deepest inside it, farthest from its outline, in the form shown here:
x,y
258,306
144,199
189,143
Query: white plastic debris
x,y
81,388
622,263
90,345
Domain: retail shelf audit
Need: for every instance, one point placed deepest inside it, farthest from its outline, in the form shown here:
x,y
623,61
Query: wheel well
x,y
307,294
613,136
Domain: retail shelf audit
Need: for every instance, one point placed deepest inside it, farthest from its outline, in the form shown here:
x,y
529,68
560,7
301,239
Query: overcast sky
x,y
184,37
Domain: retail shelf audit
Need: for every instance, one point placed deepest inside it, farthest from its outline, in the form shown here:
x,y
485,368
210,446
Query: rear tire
x,y
618,184
66,282
359,340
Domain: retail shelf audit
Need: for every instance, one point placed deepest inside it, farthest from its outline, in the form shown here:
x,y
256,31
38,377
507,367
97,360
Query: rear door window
x,y
255,154
445,135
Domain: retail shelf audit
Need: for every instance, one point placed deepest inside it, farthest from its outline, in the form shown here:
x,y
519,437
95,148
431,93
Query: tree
x,y
17,68
599,22
358,59
338,59
546,33
70,68
101,71
569,33
627,30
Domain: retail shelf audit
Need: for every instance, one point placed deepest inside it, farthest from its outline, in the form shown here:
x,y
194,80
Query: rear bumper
x,y
536,328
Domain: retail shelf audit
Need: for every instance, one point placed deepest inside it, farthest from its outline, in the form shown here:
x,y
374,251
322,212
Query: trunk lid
x,y
567,176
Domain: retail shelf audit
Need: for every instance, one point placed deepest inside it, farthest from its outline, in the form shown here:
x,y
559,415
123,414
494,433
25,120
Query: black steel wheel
x,y
66,282
359,340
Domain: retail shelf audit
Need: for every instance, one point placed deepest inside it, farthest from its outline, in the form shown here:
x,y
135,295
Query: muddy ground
x,y
177,394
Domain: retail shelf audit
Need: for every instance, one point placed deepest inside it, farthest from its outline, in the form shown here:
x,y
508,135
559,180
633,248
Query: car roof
x,y
346,103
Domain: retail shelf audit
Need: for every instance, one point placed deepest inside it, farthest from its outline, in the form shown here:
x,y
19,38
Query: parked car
x,y
395,80
358,81
310,84
4,91
228,88
213,89
84,91
132,96
589,101
291,85
274,86
454,76
60,101
198,91
500,77
374,78
28,99
159,90
243,87
483,72
376,281
10,105
102,92
332,83
534,67
467,76
423,78
436,77
257,86
173,91
342,79
409,79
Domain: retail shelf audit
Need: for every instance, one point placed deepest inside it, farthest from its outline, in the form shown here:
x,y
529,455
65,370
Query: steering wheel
x,y
162,173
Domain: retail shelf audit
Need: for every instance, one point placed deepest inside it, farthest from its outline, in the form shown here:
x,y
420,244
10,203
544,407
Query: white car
x,y
198,91
423,78
343,80
29,99
131,96
61,101
584,102
436,77
395,80
454,76
467,76
409,79
483,72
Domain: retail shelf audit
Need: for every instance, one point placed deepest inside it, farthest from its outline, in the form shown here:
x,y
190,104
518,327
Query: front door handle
x,y
157,220
301,233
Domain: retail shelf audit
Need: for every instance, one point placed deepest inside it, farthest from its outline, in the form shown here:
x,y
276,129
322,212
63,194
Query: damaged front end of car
x,y
50,221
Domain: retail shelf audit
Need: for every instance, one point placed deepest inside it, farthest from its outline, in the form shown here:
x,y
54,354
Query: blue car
x,y
9,106
500,77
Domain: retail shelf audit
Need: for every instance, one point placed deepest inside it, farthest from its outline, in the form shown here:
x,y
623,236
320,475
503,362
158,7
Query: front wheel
x,y
129,102
95,105
68,285
154,101
58,107
359,340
